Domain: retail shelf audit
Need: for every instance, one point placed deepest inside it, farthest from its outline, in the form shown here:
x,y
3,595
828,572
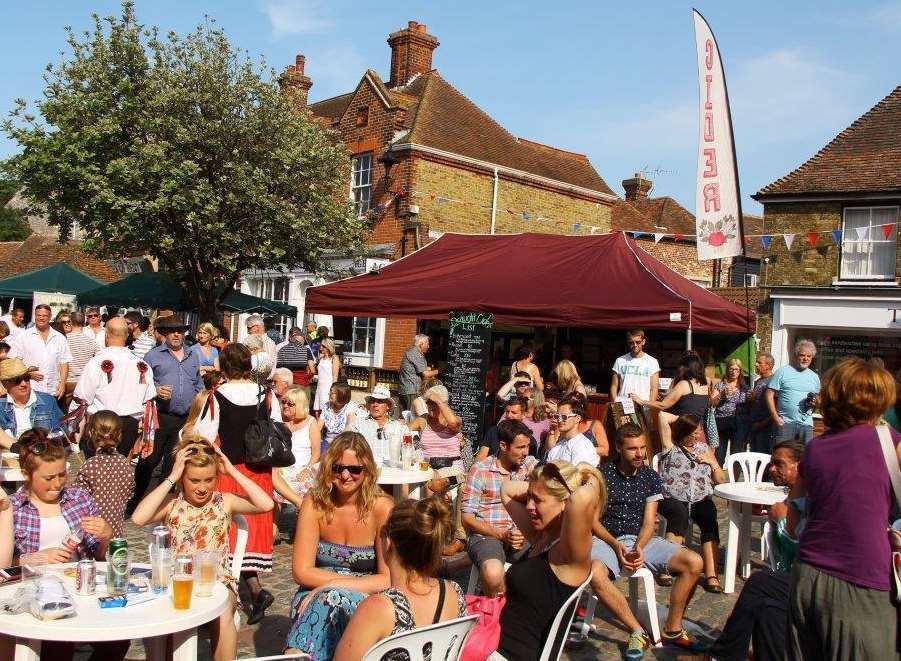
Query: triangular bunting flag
x,y
593,230
577,227
765,241
526,215
862,232
441,200
887,230
637,235
658,236
678,236
812,237
789,240
836,236
432,195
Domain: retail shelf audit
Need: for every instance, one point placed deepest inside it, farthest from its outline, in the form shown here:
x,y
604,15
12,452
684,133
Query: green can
x,y
117,566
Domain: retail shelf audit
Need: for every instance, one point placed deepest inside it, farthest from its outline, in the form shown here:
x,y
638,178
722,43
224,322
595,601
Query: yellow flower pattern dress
x,y
203,529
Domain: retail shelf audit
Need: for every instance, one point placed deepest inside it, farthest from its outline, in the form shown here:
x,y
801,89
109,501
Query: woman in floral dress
x,y
200,517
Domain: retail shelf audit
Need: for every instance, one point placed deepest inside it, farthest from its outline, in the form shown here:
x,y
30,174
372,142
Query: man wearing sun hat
x,y
24,408
378,425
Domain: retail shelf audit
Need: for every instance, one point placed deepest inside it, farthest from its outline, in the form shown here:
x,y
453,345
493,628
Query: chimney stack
x,y
295,82
637,188
411,53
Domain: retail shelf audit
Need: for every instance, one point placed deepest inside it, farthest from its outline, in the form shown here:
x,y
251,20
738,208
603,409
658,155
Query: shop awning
x,y
58,278
603,280
157,289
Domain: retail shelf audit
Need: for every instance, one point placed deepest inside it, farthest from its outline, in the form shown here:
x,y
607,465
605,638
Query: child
x,y
200,517
107,475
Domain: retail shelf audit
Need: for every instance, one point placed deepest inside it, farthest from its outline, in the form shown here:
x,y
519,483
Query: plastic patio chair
x,y
238,559
436,641
753,467
558,625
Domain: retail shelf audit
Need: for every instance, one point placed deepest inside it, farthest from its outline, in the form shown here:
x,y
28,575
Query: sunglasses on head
x,y
40,447
551,471
198,448
337,469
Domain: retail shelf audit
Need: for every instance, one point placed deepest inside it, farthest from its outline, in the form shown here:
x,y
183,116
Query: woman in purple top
x,y
840,604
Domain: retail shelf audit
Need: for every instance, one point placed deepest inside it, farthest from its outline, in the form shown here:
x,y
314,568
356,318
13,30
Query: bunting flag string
x,y
865,234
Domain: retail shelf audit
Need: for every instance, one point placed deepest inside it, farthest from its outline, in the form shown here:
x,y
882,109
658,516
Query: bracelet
x,y
169,480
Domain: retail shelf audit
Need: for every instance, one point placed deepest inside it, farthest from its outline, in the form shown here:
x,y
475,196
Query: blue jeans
x,y
762,440
793,431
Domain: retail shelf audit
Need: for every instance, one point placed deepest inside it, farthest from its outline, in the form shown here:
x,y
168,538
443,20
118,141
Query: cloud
x,y
886,16
334,70
295,16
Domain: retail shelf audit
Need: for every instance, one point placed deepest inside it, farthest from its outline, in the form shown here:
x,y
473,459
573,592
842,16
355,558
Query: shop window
x,y
834,346
867,254
361,182
363,335
276,289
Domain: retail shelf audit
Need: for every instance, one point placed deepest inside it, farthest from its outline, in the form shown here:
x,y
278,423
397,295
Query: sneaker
x,y
638,643
263,601
681,639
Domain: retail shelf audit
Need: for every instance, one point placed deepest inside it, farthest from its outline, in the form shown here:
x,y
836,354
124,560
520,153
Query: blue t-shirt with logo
x,y
792,387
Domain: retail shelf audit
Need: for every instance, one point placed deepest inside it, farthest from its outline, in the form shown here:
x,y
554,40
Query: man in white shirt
x,y
116,380
47,350
94,328
636,372
256,326
573,446
16,321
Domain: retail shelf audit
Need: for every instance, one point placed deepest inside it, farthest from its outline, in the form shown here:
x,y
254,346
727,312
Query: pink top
x,y
439,442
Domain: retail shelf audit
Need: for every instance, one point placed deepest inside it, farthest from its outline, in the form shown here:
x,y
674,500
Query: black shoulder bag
x,y
266,441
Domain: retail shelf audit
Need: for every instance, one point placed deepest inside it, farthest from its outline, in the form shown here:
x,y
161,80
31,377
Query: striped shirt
x,y
142,345
294,356
82,348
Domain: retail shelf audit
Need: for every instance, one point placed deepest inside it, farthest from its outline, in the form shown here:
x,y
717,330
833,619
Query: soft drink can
x,y
86,577
117,566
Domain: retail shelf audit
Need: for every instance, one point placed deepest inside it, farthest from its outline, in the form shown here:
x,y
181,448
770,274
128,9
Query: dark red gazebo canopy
x,y
602,280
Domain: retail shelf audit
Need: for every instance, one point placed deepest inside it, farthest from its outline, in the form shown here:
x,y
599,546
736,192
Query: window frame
x,y
371,330
357,188
891,277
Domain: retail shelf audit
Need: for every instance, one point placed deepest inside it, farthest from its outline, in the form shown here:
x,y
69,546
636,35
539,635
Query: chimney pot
x,y
637,188
411,53
295,81
299,62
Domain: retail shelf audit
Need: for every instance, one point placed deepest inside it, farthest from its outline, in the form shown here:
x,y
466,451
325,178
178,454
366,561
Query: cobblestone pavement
x,y
608,641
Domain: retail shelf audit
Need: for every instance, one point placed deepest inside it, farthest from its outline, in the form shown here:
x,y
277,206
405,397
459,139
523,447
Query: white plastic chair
x,y
238,559
644,579
445,638
547,653
407,416
767,537
753,467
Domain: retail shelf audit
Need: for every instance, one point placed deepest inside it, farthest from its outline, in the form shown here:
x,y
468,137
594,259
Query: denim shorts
x,y
657,553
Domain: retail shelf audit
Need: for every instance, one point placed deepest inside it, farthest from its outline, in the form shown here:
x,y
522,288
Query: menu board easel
x,y
468,357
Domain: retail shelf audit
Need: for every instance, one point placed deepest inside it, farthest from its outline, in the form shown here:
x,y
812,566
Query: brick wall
x,y
803,264
552,212
737,295
682,257
398,337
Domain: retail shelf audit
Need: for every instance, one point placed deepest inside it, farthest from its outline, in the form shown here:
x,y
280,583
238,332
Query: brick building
x,y
424,159
841,289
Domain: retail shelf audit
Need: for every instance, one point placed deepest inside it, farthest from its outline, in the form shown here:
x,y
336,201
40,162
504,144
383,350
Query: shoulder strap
x,y
891,459
441,594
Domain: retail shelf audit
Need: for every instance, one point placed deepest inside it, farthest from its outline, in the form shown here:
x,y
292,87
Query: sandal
x,y
664,579
712,584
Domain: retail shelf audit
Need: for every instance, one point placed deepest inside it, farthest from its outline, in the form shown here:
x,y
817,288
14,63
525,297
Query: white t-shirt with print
x,y
635,374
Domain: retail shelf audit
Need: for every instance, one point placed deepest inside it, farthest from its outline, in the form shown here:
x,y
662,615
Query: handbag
x,y
267,442
485,636
894,472
710,428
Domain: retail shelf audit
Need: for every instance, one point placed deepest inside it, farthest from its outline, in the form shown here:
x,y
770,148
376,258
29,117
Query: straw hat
x,y
13,368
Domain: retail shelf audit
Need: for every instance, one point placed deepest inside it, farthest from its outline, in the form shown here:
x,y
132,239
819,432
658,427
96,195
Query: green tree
x,y
13,225
182,148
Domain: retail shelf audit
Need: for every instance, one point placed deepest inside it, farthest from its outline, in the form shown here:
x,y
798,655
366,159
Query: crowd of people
x,y
548,499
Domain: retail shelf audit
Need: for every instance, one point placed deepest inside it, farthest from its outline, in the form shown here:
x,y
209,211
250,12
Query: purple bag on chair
x,y
485,636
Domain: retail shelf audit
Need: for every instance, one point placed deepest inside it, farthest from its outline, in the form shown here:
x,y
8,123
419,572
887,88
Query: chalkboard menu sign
x,y
468,356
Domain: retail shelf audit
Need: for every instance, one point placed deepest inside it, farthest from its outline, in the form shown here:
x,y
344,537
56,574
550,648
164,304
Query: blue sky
x,y
611,80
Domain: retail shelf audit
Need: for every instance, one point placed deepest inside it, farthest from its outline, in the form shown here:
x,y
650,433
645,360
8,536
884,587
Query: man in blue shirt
x,y
176,375
793,393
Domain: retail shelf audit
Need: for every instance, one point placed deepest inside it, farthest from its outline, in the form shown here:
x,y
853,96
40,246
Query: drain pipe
x,y
494,204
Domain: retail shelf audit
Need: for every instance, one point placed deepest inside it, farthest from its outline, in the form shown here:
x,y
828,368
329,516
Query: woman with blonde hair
x,y
292,483
339,556
555,510
439,432
413,538
841,594
327,368
206,350
568,379
728,399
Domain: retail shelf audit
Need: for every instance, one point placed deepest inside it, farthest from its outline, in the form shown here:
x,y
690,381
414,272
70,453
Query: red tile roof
x,y
441,117
864,158
40,250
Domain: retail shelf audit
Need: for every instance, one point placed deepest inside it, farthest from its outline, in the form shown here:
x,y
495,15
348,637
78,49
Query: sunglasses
x,y
337,469
40,447
563,417
287,405
65,322
522,384
93,316
551,471
25,378
197,449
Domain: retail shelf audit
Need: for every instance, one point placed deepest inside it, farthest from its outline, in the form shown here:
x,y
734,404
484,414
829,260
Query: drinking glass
x,y
182,583
161,568
206,565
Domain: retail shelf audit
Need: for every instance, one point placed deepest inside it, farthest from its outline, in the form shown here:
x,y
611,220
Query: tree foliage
x,y
13,224
182,148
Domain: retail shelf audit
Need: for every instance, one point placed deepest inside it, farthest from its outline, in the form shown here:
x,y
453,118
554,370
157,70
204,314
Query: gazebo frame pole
x,y
688,339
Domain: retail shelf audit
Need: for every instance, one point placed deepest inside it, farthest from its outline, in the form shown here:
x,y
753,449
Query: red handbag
x,y
485,636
